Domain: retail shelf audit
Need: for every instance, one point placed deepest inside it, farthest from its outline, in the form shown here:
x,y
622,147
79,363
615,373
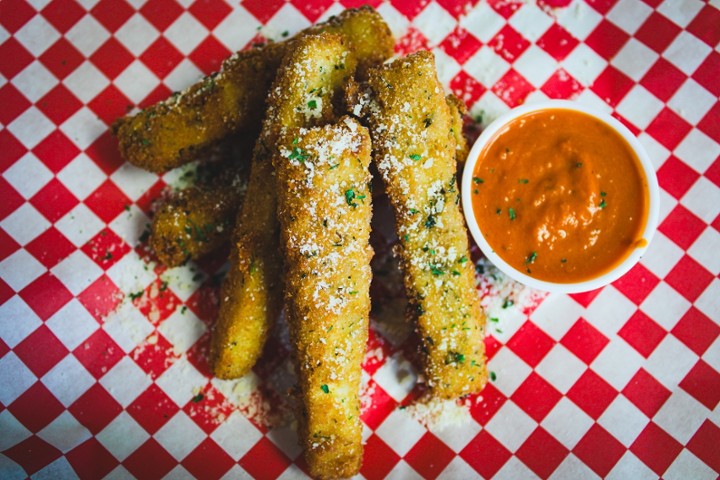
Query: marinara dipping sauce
x,y
560,196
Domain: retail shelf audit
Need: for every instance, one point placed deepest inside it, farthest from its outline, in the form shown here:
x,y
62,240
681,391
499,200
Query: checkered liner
x,y
103,368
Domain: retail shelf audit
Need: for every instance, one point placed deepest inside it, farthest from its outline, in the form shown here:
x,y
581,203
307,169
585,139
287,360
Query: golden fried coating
x,y
324,211
457,111
311,75
414,150
171,133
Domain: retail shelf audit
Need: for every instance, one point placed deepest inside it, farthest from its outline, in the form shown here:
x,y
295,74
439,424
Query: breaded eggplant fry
x,y
171,133
324,212
457,111
311,75
414,150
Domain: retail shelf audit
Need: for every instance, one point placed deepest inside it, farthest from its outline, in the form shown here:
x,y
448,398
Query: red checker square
x,y
8,246
682,226
487,404
263,10
704,444
657,32
199,355
151,460
11,199
32,454
5,294
14,103
41,350
696,331
95,409
152,409
646,393
466,88
112,58
154,358
455,8
373,3
676,177
602,6
208,409
409,8
710,123
663,79
378,459
106,248
642,333
99,353
599,450
668,128
204,303
512,88
492,345
708,72
15,14
536,397
506,8
15,58
212,12
612,85
607,39
656,448
705,25
703,383
46,295
637,283
56,151
411,42
110,104
530,343
107,201
586,298
63,14
542,453
485,454
584,340
689,278
265,460
460,44
429,456
591,393
312,10
561,85
161,92
105,153
158,302
379,406
508,43
4,349
161,13
36,407
112,13
161,57
12,150
54,200
62,58
91,460
208,460
209,55
59,104
101,297
557,42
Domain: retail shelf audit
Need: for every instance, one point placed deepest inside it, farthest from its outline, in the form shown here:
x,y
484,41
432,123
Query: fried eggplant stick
x,y
457,111
414,150
172,132
311,76
324,212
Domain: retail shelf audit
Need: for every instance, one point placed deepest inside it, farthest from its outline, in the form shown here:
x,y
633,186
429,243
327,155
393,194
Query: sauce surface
x,y
560,196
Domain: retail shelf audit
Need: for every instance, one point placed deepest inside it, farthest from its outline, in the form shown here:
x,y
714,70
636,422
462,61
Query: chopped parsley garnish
x,y
430,222
498,211
295,141
298,154
198,398
602,204
333,167
325,388
406,237
563,260
508,303
511,213
494,319
349,197
531,258
312,104
415,157
136,295
493,377
427,122
436,271
463,259
523,180
478,180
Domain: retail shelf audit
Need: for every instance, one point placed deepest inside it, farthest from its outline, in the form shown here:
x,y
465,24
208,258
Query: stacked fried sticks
x,y
325,105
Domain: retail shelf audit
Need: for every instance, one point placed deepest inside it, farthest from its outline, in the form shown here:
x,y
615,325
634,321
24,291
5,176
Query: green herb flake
x,y
478,180
523,180
493,377
436,271
325,388
494,319
602,204
198,398
511,213
463,259
531,258
349,197
333,167
563,260
312,104
136,295
415,157
508,303
298,154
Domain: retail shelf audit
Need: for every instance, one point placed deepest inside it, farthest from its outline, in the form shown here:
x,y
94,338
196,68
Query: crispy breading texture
x,y
311,75
324,207
171,133
414,150
458,110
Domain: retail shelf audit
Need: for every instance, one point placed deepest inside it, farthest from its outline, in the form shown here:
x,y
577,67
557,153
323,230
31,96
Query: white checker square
x,y
687,52
400,431
698,150
4,34
665,306
37,35
119,472
17,321
81,176
403,471
127,326
136,81
397,377
184,75
226,435
86,82
228,33
629,15
236,473
514,469
179,473
133,181
705,250
334,10
511,426
681,416
137,34
11,470
567,423
125,381
687,463
31,127
72,324
692,101
561,368
19,269
458,436
182,330
24,224
703,199
667,204
682,12
488,108
556,315
712,357
34,81
447,66
122,436
634,59
83,128
531,20
509,320
435,23
591,99
656,151
130,225
15,378
536,96
68,380
639,106
609,311
629,466
579,18
617,363
286,19
670,373
707,301
483,22
286,439
129,273
79,225
457,468
573,467
535,65
187,32
28,175
486,66
60,468
183,281
623,420
180,435
510,371
65,432
77,272
14,432
293,472
584,65
87,35
397,22
181,381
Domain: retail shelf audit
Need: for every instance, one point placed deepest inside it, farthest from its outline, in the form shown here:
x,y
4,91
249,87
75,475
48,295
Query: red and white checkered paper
x,y
622,382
